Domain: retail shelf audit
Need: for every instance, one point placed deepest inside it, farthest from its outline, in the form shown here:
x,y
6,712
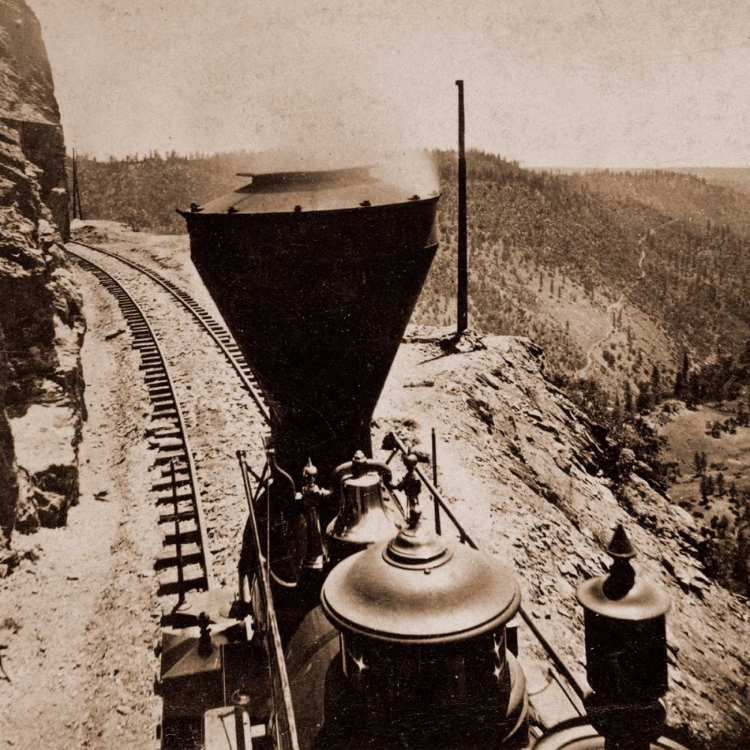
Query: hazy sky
x,y
549,82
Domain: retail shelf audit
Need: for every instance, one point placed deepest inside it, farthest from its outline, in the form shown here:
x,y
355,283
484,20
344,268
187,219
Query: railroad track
x,y
218,332
185,564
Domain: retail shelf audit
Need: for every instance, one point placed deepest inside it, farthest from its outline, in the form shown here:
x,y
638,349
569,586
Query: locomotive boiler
x,y
355,623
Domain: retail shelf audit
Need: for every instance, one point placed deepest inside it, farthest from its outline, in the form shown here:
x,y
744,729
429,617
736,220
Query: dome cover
x,y
328,190
419,588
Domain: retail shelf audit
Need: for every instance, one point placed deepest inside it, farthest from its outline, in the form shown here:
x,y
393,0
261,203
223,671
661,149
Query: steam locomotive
x,y
354,624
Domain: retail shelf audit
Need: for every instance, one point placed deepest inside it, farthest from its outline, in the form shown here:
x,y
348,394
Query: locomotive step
x,y
220,730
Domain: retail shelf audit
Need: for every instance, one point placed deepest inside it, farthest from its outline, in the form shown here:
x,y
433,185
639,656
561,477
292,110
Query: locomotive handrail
x,y
393,441
285,727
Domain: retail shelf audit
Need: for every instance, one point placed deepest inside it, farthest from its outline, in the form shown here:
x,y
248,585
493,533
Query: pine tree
x,y
698,464
655,383
628,397
679,385
617,411
644,401
720,484
685,370
704,488
710,486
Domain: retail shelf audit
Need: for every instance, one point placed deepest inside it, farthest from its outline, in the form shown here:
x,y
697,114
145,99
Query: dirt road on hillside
x,y
615,307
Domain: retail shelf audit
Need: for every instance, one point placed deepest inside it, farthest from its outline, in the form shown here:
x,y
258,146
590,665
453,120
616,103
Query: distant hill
x,y
696,196
591,243
737,178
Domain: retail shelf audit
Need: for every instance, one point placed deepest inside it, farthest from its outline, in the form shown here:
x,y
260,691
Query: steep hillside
x,y
41,388
553,262
527,474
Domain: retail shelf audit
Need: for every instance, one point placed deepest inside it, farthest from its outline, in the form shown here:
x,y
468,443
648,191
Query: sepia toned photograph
x,y
375,375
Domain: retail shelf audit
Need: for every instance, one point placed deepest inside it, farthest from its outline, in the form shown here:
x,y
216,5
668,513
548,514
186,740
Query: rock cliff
x,y
41,324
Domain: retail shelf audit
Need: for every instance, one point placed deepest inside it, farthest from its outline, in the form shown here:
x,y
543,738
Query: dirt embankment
x,y
520,463
80,618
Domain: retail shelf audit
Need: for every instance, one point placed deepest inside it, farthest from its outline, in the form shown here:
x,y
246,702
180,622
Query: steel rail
x,y
574,682
218,332
164,400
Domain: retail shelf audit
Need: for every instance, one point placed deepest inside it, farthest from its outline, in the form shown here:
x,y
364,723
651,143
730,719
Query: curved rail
x,y
219,333
186,563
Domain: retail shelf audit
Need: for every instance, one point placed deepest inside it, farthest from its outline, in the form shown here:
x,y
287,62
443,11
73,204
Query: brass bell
x,y
365,516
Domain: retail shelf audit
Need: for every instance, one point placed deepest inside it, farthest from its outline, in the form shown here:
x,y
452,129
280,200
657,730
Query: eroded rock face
x,y
41,325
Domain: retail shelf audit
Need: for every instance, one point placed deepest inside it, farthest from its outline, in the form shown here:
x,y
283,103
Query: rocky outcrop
x,y
41,324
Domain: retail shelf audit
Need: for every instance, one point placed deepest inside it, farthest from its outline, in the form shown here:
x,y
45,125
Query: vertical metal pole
x,y
435,482
268,522
462,301
78,194
77,208
74,189
178,541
